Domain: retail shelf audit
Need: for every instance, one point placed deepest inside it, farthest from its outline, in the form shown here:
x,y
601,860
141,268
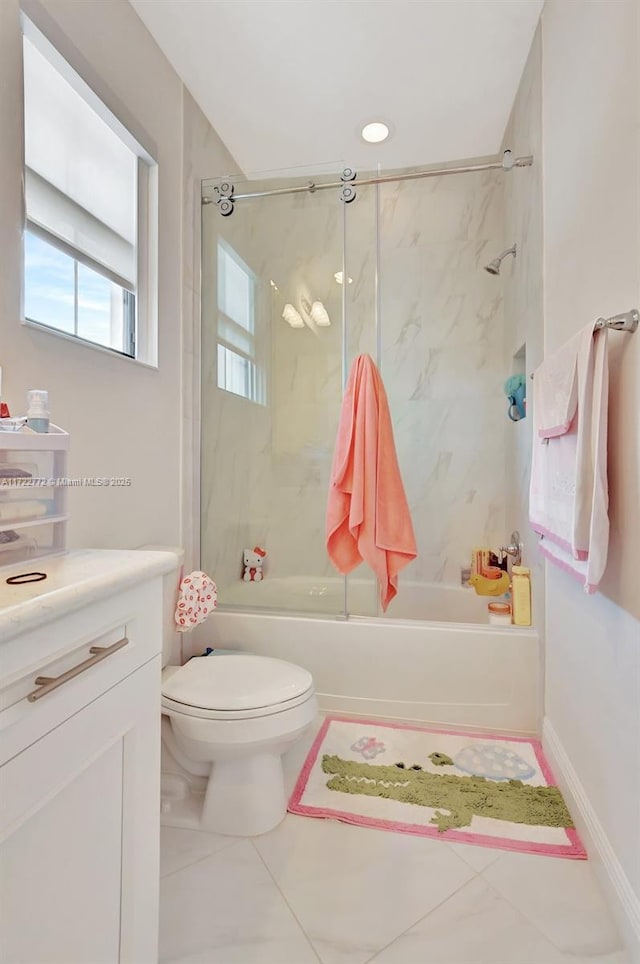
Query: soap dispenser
x,y
38,410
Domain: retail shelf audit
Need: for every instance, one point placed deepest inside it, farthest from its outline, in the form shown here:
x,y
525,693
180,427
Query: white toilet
x,y
230,718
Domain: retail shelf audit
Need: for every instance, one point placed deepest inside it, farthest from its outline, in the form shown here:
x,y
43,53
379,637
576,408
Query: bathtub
x,y
435,602
449,668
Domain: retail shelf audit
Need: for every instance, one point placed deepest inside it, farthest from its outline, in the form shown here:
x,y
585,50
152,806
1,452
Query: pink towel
x,y
367,513
197,598
568,499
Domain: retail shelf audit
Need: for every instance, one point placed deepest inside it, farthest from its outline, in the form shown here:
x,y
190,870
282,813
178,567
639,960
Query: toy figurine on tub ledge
x,y
253,561
493,581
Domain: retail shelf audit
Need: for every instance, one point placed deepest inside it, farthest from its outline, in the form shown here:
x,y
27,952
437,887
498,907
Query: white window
x,y
90,248
239,370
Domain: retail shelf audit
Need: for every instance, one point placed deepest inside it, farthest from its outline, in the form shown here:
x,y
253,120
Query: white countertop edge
x,y
74,579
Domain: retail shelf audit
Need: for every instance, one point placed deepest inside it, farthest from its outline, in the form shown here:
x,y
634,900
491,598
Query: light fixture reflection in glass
x,y
375,132
339,276
319,315
273,285
292,317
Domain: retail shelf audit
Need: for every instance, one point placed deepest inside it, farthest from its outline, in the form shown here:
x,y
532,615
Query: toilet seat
x,y
172,707
231,686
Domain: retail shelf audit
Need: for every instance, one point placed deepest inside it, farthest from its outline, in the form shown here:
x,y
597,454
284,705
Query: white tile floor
x,y
321,891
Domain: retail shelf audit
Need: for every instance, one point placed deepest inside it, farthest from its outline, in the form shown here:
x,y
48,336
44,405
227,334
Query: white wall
x,y
124,419
591,85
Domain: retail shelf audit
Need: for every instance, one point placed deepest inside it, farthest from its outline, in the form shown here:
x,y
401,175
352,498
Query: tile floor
x,y
321,891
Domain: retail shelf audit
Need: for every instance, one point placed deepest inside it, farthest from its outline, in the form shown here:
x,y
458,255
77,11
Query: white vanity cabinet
x,y
79,781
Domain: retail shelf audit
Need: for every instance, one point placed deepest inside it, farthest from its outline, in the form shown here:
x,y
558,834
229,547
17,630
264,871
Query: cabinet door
x,y
79,835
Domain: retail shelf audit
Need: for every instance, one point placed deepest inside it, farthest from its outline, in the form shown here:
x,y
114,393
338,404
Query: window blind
x,y
81,179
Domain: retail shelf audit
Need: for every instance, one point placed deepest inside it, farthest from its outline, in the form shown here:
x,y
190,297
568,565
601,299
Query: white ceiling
x,y
289,83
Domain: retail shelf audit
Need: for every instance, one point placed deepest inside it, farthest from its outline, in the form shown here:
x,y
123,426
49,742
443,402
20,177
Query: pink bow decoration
x,y
197,598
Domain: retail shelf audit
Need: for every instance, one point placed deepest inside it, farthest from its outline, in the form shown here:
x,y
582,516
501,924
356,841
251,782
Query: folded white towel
x,y
568,499
22,510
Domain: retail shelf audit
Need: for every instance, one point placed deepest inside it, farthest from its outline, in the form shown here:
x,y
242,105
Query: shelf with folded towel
x,y
41,520
23,510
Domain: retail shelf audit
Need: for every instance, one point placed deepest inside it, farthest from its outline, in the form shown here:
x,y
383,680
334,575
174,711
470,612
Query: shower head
x,y
494,266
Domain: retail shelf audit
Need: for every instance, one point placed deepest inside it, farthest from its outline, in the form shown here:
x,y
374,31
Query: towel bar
x,y
627,321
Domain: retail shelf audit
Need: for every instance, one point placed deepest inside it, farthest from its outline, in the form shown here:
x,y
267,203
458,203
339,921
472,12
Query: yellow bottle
x,y
521,595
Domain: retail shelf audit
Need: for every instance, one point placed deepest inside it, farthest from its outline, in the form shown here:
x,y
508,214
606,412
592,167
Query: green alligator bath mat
x,y
491,791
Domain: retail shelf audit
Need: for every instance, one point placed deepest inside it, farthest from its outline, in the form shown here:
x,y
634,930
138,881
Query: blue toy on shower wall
x,y
515,389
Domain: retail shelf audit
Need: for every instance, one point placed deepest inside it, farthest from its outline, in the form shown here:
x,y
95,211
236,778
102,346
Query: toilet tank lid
x,y
236,682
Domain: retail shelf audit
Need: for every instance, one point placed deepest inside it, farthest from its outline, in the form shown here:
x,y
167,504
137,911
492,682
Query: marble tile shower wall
x,y
265,469
442,341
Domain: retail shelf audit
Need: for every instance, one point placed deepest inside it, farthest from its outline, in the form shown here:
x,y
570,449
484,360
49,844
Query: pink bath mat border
x,y
574,850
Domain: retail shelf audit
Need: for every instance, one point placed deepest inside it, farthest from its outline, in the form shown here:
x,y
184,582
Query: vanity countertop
x,y
74,579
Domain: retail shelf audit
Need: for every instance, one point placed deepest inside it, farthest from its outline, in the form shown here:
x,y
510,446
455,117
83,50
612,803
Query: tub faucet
x,y
514,549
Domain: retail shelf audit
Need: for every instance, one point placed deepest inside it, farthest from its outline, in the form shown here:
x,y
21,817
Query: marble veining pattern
x,y
74,580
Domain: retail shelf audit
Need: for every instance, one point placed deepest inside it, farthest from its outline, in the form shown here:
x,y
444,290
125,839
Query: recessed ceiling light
x,y
375,132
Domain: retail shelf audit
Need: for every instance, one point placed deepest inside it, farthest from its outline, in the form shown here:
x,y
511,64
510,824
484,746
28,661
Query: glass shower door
x,y
272,365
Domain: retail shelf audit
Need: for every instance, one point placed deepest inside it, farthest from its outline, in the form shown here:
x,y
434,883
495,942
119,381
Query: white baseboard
x,y
623,900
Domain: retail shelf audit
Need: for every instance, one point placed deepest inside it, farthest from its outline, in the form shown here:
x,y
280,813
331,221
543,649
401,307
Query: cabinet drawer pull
x,y
46,684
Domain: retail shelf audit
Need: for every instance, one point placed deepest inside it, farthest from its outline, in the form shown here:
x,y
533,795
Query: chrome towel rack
x,y
626,321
